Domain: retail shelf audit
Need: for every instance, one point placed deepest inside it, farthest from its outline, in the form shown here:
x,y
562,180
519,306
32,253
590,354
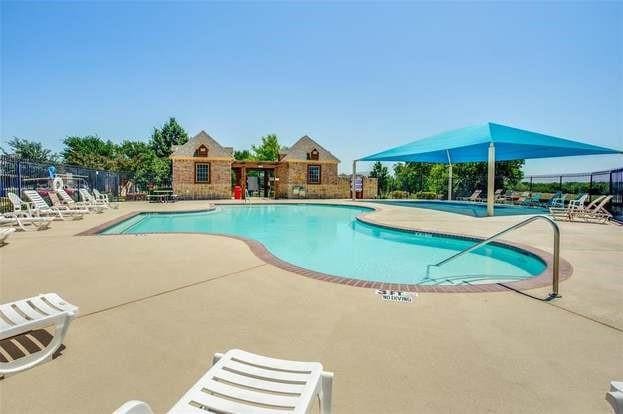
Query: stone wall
x,y
293,178
184,179
370,187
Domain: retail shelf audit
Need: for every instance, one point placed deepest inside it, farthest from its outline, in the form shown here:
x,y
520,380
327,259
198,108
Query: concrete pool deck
x,y
153,310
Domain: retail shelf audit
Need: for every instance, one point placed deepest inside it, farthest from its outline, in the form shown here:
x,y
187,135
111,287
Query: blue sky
x,y
358,77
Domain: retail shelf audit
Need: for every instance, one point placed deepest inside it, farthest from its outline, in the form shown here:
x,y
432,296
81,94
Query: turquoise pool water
x,y
329,239
467,208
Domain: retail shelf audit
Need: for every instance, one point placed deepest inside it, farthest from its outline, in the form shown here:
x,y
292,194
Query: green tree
x,y
170,134
90,151
470,176
268,150
139,160
242,155
411,176
381,173
29,150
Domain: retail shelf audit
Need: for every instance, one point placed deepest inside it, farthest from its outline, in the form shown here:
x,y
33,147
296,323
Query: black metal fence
x,y
17,175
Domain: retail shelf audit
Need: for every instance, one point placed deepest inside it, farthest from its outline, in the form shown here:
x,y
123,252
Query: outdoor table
x,y
162,196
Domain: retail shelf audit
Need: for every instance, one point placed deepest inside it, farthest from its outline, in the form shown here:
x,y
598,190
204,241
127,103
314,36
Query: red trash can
x,y
238,192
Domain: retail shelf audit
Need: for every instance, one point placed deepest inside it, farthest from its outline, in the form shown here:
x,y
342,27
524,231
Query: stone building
x,y
203,169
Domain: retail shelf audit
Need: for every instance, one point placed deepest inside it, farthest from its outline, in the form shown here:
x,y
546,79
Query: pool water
x,y
467,208
329,239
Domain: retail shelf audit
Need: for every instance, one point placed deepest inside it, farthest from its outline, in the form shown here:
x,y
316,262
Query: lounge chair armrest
x,y
615,398
134,407
61,322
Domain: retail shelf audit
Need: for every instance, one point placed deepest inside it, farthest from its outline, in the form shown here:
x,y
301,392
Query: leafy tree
x,y
143,166
411,176
242,155
416,177
381,173
90,151
268,150
29,150
472,175
170,134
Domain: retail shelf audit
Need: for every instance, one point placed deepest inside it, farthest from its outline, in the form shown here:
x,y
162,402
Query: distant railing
x,y
17,175
609,182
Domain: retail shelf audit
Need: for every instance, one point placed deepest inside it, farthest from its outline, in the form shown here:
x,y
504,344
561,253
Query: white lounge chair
x,y
66,198
241,382
41,208
595,210
26,315
19,217
100,197
474,197
615,396
56,202
572,208
87,198
4,234
20,207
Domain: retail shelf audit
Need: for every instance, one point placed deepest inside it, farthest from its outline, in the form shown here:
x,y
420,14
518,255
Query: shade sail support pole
x,y
491,180
352,181
449,176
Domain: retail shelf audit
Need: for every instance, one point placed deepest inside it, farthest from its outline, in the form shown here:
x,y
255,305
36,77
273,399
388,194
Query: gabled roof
x,y
215,150
305,145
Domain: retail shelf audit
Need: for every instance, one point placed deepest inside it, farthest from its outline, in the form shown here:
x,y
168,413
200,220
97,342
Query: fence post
x,y
531,185
19,178
590,188
610,183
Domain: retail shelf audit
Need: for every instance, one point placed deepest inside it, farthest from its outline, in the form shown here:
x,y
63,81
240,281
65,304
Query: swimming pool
x,y
466,208
331,240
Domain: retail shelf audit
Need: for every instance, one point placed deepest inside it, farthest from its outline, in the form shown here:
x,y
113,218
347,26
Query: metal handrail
x,y
555,264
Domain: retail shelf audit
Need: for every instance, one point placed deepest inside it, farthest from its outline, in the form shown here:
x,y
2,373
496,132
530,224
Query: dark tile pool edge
x,y
261,252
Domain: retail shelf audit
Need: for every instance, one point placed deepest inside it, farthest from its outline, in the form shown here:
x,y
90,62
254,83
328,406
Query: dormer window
x,y
313,155
201,151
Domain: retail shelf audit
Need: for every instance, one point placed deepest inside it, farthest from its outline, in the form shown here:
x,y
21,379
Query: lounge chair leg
x,y
326,391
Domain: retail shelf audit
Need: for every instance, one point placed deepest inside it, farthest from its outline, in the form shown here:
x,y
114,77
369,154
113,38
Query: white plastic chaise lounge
x,y
572,208
474,197
615,396
66,198
244,383
41,208
87,198
4,234
56,203
101,197
38,312
595,210
19,217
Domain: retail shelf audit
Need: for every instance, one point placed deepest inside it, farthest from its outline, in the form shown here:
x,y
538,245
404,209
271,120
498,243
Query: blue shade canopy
x,y
471,144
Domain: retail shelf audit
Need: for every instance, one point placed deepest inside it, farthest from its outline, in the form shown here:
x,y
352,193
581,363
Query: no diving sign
x,y
395,296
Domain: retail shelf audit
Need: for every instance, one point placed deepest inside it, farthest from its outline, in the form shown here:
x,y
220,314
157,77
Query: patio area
x,y
155,308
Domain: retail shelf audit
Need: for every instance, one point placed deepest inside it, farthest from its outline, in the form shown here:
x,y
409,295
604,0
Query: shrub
x,y
426,195
398,194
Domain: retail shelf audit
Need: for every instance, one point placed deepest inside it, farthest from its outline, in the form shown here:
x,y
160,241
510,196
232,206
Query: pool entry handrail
x,y
555,264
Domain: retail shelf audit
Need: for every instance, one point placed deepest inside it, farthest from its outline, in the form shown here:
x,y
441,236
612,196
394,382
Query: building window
x,y
202,151
313,174
313,155
202,172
